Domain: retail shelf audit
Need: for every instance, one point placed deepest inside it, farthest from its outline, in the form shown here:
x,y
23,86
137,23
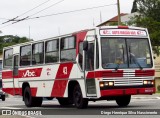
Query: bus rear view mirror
x,y
85,45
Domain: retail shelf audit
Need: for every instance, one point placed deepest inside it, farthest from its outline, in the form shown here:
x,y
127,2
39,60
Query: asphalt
x,y
153,96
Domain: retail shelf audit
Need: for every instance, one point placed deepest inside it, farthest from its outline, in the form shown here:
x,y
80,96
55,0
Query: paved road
x,y
95,108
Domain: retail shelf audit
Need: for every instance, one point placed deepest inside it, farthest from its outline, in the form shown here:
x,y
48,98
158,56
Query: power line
x,y
34,8
15,19
78,10
47,8
18,20
60,13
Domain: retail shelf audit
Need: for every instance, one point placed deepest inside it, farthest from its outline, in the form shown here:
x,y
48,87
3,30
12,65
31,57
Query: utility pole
x,y
119,17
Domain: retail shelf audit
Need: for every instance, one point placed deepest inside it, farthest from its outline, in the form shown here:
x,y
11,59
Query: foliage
x,y
134,7
158,87
149,17
8,40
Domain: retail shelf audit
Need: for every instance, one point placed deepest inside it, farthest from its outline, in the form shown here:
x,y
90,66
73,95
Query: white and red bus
x,y
105,63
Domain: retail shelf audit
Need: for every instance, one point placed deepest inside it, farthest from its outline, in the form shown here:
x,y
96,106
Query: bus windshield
x,y
125,53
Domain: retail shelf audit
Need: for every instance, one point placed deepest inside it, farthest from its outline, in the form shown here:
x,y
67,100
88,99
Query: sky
x,y
46,27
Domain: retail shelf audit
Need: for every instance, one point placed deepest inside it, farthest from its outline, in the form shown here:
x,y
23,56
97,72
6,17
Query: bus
x,y
103,63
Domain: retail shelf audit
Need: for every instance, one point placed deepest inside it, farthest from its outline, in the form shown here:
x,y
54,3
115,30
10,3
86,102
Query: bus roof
x,y
70,34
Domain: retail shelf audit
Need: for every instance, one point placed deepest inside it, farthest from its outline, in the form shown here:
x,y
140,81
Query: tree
x,y
8,40
149,17
134,7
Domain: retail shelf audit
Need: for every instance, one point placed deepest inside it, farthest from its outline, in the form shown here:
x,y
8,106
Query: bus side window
x,y
8,54
52,51
68,49
25,55
90,57
80,59
38,53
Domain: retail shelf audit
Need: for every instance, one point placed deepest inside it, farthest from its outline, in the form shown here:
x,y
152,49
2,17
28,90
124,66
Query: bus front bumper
x,y
128,91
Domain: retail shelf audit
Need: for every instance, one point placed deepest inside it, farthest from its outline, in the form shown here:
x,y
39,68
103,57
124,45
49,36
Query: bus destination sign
x,y
122,32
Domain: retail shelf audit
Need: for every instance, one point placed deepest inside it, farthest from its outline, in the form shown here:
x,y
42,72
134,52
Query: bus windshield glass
x,y
125,53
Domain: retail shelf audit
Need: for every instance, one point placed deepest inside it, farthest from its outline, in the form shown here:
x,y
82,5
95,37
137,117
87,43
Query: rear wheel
x,y
64,101
3,98
123,101
79,101
31,101
49,98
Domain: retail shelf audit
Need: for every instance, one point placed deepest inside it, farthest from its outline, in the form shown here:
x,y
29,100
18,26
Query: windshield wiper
x,y
135,61
117,67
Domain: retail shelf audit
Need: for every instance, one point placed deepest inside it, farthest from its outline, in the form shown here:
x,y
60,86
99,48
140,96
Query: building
x,y
125,17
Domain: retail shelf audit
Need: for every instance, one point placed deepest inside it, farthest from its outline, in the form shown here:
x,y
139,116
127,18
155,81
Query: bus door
x,y
89,66
15,74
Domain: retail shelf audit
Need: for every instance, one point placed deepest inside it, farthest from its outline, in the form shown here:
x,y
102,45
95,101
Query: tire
x,y
123,101
79,101
64,101
3,98
49,98
31,101
38,101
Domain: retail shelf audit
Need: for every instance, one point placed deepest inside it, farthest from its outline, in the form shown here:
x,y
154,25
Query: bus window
x,y
90,57
52,51
8,54
38,53
25,55
68,50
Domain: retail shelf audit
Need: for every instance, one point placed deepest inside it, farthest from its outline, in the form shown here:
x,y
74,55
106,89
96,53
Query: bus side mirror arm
x,y
85,45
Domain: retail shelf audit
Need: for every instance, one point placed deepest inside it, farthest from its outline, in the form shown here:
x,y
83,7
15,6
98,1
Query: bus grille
x,y
127,81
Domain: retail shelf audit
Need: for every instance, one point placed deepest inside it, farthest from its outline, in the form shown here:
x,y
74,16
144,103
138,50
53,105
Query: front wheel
x,y
79,101
31,101
64,101
123,101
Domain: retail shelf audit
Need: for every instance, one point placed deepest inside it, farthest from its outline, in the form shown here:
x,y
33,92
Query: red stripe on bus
x,y
7,74
108,73
142,73
79,38
61,79
27,73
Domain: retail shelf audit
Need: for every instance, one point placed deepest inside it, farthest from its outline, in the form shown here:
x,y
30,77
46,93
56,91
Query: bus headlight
x,y
101,84
148,82
111,83
105,84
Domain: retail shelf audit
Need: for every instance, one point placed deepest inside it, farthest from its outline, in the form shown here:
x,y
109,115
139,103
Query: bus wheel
x,y
123,101
64,101
37,101
3,98
28,99
79,101
49,98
